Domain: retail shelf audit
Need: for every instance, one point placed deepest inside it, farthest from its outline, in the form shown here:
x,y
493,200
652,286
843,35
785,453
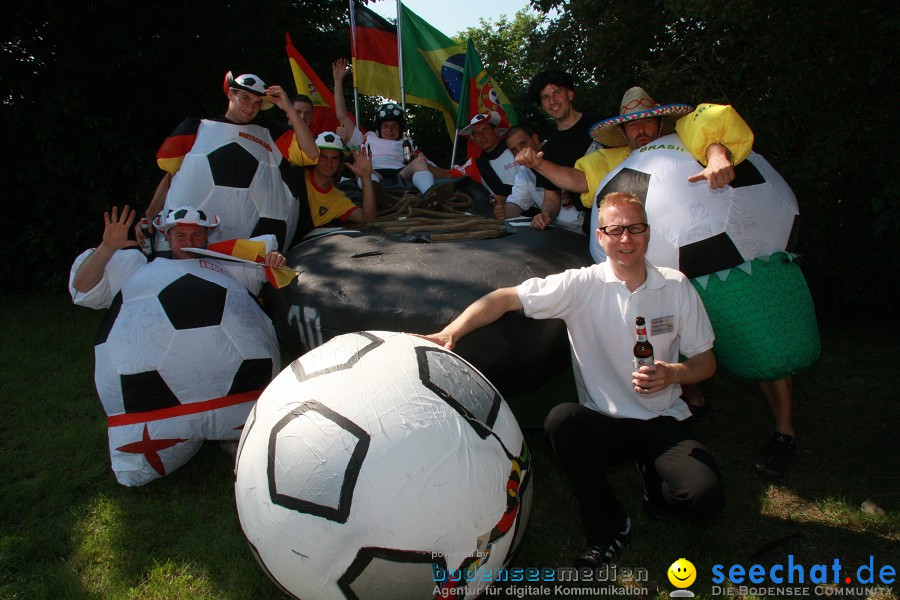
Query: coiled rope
x,y
438,217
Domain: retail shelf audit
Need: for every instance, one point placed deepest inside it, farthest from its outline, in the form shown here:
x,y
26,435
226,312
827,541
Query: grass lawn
x,y
68,530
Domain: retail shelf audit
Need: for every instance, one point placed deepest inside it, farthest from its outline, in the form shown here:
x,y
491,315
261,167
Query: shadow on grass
x,y
68,530
846,455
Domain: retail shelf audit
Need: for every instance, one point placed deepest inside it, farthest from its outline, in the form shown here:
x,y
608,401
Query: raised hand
x,y
116,226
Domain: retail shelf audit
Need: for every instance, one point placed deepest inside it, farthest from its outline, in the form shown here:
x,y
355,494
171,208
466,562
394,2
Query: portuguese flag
x,y
481,94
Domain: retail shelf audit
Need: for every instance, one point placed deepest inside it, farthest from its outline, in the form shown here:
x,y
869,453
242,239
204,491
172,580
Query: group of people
x,y
623,413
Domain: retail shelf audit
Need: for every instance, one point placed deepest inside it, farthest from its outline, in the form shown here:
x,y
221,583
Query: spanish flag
x,y
255,252
376,70
309,84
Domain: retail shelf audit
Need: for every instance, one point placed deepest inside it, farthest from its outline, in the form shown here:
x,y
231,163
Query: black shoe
x,y
655,506
438,194
699,412
597,556
776,456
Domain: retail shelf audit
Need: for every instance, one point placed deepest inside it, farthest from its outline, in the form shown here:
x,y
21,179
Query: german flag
x,y
254,251
173,150
376,70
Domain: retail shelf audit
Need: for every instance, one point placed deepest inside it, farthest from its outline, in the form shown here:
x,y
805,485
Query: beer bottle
x,y
643,350
147,246
407,150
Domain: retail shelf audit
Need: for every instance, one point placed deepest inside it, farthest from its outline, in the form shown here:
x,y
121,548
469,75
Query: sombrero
x,y
636,104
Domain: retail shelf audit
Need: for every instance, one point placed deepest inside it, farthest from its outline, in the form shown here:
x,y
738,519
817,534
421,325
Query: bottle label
x,y
640,362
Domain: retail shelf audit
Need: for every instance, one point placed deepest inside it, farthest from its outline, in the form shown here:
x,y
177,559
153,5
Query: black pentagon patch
x,y
276,227
253,374
374,342
746,174
142,392
476,400
192,302
628,181
109,319
708,256
295,179
232,166
388,573
321,494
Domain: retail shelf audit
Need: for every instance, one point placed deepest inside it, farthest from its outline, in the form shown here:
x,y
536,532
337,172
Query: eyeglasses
x,y
618,230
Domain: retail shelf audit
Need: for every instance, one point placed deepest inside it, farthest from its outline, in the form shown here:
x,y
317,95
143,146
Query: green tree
x,y
502,45
90,90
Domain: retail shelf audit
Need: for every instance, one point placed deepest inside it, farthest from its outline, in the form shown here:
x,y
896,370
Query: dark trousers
x,y
680,468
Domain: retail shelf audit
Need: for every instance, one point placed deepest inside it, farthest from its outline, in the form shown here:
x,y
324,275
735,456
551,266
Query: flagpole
x,y
455,139
400,54
353,60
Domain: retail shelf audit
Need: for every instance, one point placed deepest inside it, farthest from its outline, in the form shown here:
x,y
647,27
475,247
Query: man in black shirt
x,y
554,90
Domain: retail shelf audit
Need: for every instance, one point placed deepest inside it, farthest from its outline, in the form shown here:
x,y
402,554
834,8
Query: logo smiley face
x,y
682,573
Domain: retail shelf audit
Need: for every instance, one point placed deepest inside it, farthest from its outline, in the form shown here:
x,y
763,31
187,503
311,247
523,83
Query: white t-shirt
x,y
526,194
600,314
386,154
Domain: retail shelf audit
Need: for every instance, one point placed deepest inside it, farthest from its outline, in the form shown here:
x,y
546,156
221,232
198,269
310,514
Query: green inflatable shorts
x,y
764,319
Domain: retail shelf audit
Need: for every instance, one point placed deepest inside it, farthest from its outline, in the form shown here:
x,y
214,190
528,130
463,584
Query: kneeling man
x,y
623,414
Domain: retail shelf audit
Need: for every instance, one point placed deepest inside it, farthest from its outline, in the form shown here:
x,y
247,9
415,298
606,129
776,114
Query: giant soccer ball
x,y
695,229
181,355
375,465
732,243
238,173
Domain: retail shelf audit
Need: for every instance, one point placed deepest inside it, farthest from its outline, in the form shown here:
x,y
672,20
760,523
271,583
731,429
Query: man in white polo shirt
x,y
622,414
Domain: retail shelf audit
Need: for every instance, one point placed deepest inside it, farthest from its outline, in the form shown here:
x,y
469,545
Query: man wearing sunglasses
x,y
622,414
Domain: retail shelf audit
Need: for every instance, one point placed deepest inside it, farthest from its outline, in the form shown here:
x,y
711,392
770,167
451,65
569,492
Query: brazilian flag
x,y
432,66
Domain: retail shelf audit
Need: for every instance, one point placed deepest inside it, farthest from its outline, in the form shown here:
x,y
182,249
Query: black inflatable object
x,y
355,281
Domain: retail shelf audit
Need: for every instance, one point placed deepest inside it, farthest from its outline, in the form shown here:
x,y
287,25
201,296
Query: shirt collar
x,y
654,280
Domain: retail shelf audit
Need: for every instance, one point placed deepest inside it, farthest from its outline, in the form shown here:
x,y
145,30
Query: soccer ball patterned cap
x,y
328,140
389,112
250,83
185,215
